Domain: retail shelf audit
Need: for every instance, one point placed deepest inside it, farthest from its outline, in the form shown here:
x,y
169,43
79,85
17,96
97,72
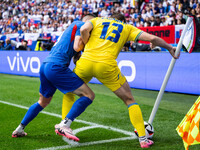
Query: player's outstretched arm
x,y
85,31
156,41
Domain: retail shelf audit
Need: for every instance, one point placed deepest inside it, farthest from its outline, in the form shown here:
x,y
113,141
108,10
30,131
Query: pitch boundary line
x,y
92,125
76,120
88,143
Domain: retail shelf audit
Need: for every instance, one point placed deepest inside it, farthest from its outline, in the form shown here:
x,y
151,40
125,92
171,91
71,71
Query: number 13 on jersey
x,y
116,32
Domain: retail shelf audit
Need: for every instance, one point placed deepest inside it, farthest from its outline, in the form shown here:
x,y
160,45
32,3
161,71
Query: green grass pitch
x,y
107,110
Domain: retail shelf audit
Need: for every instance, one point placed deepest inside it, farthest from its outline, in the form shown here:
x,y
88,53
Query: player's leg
x,y
32,112
112,78
69,98
135,113
68,101
35,109
79,106
83,72
86,97
46,92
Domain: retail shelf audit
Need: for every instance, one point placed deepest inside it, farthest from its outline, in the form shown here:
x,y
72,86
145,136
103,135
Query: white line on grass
x,y
70,142
76,120
88,143
92,125
85,128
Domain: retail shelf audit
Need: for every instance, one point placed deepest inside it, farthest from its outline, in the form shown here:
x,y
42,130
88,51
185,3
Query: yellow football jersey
x,y
107,38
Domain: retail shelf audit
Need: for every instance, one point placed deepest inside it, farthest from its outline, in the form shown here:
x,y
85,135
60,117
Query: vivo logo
x,y
128,63
18,61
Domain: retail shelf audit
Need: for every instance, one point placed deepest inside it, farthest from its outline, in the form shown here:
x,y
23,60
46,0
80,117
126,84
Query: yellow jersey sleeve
x,y
134,33
93,21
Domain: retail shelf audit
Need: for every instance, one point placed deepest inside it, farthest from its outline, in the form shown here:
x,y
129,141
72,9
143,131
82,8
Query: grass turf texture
x,y
106,109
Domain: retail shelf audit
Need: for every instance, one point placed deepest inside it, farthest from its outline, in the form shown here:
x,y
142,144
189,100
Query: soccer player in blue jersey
x,y
55,74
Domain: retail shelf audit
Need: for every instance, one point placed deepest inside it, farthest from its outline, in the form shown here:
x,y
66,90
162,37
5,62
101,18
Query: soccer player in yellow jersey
x,y
104,39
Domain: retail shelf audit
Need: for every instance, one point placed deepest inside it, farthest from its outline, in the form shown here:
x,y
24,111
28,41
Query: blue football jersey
x,y
63,51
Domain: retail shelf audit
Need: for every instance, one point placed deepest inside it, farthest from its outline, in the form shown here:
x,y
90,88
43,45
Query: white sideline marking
x,y
76,120
70,142
88,143
107,127
84,128
92,125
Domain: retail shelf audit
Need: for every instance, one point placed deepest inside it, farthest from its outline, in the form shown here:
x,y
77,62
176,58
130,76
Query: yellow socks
x,y
136,118
68,101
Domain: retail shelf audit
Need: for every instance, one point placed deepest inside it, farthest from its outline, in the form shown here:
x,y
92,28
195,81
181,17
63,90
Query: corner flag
x,y
188,129
169,71
191,40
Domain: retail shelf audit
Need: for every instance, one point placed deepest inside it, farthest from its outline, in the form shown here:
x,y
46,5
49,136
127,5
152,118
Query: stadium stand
x,y
46,16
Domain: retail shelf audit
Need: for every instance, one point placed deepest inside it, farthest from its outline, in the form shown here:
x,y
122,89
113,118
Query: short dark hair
x,y
26,41
118,16
90,14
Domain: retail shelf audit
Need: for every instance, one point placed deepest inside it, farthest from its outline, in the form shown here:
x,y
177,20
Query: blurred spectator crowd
x,y
45,16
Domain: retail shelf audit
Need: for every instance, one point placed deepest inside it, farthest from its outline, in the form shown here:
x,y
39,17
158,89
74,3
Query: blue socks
x,y
31,113
78,107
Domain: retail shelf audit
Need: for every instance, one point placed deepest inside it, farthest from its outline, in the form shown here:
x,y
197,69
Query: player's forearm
x,y
156,41
85,31
81,46
85,36
160,42
78,44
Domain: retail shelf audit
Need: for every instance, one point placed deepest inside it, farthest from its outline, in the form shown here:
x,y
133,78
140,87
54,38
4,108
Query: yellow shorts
x,y
109,75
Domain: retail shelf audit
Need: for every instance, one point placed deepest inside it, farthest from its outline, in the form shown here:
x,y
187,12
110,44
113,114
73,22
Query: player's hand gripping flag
x,y
188,129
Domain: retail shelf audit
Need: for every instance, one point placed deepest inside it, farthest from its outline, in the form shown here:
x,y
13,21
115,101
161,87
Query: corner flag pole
x,y
169,71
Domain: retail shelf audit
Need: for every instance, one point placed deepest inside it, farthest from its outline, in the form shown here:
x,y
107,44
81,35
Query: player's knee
x,y
90,95
43,101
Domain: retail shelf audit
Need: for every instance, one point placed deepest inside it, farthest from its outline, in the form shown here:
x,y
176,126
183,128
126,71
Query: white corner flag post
x,y
169,71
